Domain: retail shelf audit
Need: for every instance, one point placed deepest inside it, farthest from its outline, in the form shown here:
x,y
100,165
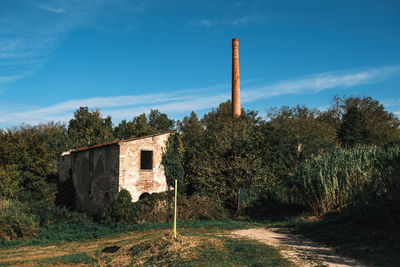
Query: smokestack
x,y
235,78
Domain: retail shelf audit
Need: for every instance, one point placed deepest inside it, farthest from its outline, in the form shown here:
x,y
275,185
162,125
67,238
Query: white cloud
x,y
31,31
244,20
53,9
322,81
7,79
181,102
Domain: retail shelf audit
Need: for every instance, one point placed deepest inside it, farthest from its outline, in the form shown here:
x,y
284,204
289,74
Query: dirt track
x,y
300,251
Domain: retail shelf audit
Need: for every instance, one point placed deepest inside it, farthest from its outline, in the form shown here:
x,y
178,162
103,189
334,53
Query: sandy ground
x,y
300,251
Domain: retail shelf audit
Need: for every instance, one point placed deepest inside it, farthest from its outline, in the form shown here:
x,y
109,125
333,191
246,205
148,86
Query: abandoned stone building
x,y
99,172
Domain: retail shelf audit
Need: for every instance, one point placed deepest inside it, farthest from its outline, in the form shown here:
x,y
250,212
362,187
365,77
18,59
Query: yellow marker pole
x,y
176,194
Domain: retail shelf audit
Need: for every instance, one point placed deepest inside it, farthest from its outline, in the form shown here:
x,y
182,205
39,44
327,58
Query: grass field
x,y
199,243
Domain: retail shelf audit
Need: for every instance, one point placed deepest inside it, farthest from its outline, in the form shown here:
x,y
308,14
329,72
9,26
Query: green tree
x,y
172,160
353,130
28,166
159,122
383,126
280,150
124,130
141,126
191,132
313,130
229,157
88,128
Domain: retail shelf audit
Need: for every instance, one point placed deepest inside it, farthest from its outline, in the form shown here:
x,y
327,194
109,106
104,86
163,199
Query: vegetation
x,y
191,249
76,258
89,230
158,207
366,241
199,243
172,160
121,209
342,162
15,220
364,180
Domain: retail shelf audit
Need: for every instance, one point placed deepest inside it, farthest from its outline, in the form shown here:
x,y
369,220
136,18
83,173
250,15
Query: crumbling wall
x,y
95,177
65,167
136,180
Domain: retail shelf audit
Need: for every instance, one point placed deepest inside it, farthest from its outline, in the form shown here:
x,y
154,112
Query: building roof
x,y
115,142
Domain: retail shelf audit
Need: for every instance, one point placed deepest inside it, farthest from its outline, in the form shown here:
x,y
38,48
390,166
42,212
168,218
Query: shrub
x,y
269,204
121,209
158,207
16,221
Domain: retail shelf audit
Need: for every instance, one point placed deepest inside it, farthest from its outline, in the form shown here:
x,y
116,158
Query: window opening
x,y
146,160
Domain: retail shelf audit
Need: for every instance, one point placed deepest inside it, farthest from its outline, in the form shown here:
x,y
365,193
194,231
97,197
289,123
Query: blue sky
x,y
126,57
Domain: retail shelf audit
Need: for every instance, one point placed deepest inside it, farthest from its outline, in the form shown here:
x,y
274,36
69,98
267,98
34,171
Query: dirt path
x,y
301,251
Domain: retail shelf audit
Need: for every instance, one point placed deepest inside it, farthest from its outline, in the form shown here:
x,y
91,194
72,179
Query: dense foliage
x,y
295,158
121,209
172,160
16,221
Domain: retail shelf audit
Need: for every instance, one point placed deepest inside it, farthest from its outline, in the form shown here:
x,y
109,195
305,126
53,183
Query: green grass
x,y
199,243
371,243
58,233
76,258
203,249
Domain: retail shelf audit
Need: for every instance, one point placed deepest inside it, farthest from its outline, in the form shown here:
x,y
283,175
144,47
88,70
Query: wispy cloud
x,y
53,9
322,81
244,20
120,107
181,102
30,31
10,78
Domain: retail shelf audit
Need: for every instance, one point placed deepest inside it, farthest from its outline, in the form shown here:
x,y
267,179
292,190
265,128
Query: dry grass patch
x,y
202,243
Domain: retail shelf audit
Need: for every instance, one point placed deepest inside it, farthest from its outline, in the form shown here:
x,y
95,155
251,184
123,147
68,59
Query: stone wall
x,y
100,172
136,180
95,177
65,167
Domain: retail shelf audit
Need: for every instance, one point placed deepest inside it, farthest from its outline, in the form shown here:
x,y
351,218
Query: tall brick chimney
x,y
235,78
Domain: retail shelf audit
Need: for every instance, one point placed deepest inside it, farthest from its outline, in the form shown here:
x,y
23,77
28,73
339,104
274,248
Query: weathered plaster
x,y
100,172
138,181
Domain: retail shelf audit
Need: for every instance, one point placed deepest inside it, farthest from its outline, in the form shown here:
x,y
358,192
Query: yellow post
x,y
176,194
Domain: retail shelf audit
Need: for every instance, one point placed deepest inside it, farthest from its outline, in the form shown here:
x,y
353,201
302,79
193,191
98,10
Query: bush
x,y
16,221
271,205
121,209
159,207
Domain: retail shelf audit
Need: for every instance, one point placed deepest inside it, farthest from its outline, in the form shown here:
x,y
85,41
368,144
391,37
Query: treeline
x,y
29,190
293,159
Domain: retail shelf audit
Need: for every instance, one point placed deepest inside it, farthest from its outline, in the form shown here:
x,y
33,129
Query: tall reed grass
x,y
365,178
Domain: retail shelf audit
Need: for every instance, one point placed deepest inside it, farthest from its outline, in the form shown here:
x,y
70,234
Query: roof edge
x,y
115,142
